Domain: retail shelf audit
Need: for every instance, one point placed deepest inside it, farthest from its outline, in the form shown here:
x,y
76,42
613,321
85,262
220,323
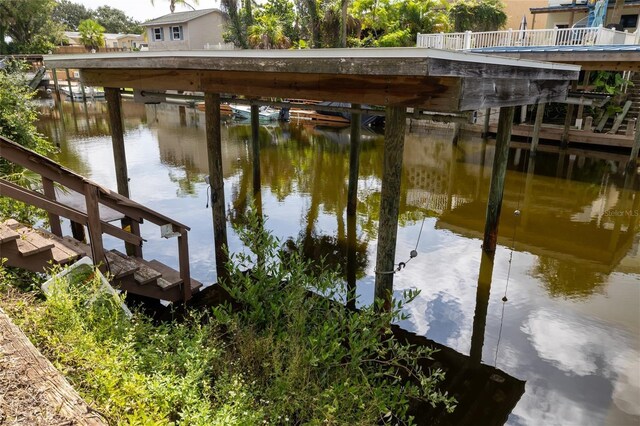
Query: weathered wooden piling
x,y
56,86
389,203
536,128
114,105
214,152
66,70
351,262
496,189
54,220
485,127
354,162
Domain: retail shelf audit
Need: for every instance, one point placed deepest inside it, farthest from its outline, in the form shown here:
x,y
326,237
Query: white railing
x,y
546,37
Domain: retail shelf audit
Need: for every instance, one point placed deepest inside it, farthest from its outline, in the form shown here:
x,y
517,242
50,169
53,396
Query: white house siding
x,y
196,33
206,29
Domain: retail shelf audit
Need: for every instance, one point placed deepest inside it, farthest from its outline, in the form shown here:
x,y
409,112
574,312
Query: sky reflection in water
x,y
571,325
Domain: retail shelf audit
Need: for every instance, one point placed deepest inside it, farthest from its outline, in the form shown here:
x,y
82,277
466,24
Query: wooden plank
x,y
185,268
389,204
34,374
536,128
120,266
433,93
7,234
496,188
30,242
448,68
94,226
620,117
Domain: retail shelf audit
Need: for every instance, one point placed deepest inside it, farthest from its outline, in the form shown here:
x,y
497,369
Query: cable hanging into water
x,y
413,253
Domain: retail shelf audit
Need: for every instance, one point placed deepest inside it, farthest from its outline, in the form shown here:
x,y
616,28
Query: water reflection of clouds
x,y
584,347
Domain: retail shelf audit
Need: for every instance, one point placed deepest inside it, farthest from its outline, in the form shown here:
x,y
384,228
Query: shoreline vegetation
x,y
277,355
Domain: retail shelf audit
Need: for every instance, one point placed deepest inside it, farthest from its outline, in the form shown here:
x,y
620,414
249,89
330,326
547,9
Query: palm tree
x,y
173,3
91,34
268,33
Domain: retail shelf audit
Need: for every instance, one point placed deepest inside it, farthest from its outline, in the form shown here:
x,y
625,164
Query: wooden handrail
x,y
57,173
94,194
36,199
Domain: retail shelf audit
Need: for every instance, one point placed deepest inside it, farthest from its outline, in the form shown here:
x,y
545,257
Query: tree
x,y
474,15
174,3
116,21
236,30
268,33
91,34
70,14
29,26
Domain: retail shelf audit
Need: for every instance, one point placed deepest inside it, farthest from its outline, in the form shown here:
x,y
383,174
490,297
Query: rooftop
x,y
180,17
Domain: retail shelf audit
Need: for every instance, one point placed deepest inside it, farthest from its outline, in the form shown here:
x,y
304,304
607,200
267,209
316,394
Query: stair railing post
x,y
94,226
54,219
183,259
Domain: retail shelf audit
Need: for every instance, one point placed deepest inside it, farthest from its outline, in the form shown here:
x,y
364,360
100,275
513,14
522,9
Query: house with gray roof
x,y
192,30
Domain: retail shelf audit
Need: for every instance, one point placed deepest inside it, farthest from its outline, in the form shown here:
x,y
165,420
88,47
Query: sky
x,y
142,10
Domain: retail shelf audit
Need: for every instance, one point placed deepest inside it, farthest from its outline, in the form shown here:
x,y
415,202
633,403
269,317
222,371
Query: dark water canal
x,y
571,324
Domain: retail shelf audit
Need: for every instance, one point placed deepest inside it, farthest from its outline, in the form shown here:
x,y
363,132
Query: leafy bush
x,y
286,356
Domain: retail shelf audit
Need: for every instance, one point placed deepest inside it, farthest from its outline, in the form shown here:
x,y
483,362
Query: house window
x,y
629,21
176,33
115,44
158,34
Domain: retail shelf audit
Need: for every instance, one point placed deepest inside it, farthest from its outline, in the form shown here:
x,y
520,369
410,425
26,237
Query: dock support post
x,y
635,150
112,95
66,70
389,204
536,128
214,153
568,120
255,145
496,189
84,95
354,162
183,260
54,73
485,127
352,204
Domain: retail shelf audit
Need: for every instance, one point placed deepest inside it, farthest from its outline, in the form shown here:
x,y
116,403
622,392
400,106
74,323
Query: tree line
x,y
37,26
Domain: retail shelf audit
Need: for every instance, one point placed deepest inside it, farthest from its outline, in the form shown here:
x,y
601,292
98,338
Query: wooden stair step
x,y
120,267
170,277
6,233
145,274
30,242
62,252
77,246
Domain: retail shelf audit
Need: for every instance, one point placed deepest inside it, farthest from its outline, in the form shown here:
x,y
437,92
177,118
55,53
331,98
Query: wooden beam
x,y
589,61
255,146
487,118
216,180
481,93
389,205
66,70
434,93
183,260
496,189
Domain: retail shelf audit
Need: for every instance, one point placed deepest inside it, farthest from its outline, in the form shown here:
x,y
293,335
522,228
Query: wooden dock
x,y
33,391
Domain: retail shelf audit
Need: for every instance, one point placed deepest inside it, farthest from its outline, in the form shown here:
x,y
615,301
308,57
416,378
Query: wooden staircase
x,y
94,207
37,250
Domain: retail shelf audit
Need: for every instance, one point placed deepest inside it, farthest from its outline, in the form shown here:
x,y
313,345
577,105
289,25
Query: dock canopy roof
x,y
414,77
